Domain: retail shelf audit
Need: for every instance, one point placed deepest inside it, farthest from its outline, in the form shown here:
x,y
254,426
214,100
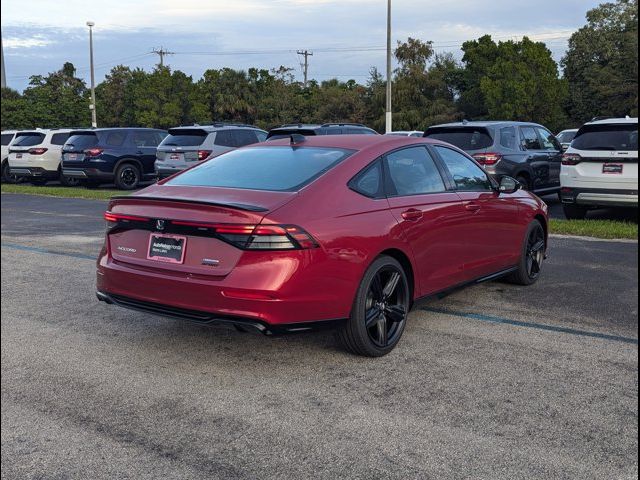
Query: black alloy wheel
x,y
380,310
534,252
127,177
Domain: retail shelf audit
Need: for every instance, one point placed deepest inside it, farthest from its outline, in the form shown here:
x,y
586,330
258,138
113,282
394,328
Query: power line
x,y
161,53
305,65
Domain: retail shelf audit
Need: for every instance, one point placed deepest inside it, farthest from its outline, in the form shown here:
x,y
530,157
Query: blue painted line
x,y
538,326
45,251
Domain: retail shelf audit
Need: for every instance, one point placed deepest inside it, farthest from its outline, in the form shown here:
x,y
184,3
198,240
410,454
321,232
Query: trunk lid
x,y
174,216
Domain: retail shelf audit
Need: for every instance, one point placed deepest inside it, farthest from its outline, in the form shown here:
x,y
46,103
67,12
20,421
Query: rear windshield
x,y
465,138
184,138
276,134
282,169
28,139
566,137
82,141
607,137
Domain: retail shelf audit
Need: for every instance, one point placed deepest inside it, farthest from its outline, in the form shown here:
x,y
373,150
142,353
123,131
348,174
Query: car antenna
x,y
296,138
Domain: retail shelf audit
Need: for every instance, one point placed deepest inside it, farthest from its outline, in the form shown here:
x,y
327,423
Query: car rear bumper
x,y
600,197
167,172
208,318
87,173
34,172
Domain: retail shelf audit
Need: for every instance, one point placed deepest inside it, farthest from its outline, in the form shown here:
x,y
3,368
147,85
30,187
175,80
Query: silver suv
x,y
185,147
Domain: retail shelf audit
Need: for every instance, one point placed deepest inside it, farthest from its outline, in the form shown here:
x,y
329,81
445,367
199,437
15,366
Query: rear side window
x,y
465,138
369,182
607,137
508,138
224,138
59,138
6,139
412,171
146,139
467,176
115,139
285,169
28,139
244,137
530,138
185,138
82,141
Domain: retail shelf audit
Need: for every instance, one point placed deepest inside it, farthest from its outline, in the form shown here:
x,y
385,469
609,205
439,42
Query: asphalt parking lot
x,y
492,382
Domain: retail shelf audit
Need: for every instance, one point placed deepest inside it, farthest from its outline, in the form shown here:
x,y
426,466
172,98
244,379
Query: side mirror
x,y
509,185
565,147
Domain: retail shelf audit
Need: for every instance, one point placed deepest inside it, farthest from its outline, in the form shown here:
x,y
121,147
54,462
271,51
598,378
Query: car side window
x,y
115,139
413,171
245,137
59,138
262,136
549,141
530,140
6,139
224,138
508,138
467,176
145,139
369,181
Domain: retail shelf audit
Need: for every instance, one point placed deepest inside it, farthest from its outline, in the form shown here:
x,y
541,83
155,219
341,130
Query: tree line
x,y
510,80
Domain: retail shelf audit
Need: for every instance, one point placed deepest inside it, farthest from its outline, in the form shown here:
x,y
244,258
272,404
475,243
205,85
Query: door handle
x,y
472,207
412,215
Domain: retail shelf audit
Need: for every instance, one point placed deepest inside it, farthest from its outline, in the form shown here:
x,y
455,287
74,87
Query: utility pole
x,y
305,66
94,120
4,74
161,53
389,115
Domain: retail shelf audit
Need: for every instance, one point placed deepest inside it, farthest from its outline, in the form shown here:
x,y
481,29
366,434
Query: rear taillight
x,y
111,217
93,152
203,154
37,151
571,159
487,158
257,237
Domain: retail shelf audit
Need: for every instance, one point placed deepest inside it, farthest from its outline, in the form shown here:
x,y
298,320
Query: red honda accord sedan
x,y
300,233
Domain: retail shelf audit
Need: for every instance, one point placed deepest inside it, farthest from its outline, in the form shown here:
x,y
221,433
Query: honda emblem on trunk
x,y
160,225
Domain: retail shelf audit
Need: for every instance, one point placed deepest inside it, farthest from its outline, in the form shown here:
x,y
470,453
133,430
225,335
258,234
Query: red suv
x,y
299,233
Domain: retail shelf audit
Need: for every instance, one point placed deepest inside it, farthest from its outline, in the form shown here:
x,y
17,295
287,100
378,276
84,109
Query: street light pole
x,y
92,107
389,115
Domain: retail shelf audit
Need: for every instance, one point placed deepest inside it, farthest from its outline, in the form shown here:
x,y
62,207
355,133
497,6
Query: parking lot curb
x,y
593,239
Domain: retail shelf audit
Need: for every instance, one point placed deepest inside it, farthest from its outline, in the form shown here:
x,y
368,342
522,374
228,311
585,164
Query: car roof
x,y
350,142
313,126
608,121
216,127
113,129
487,123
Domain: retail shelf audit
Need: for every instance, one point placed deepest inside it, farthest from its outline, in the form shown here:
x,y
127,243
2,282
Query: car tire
x,y
127,176
6,176
532,256
524,181
69,181
575,212
380,310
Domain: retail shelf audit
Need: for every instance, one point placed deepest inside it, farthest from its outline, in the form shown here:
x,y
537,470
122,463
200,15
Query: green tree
x,y
601,65
13,110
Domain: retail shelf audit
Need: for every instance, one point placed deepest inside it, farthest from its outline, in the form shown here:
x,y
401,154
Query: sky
x,y
347,37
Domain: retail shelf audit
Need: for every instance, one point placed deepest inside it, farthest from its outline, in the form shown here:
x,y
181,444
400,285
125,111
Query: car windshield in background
x,y
566,137
28,139
607,137
82,141
465,138
284,169
184,138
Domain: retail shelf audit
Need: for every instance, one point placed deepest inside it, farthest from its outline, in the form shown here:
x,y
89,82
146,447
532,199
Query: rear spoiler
x,y
237,206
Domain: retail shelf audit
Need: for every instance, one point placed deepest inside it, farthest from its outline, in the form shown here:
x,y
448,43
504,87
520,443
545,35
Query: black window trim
x,y
492,182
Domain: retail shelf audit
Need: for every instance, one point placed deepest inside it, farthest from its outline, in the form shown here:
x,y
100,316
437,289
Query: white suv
x,y
600,168
35,156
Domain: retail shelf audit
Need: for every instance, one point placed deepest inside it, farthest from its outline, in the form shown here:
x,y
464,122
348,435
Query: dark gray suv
x,y
527,152
188,146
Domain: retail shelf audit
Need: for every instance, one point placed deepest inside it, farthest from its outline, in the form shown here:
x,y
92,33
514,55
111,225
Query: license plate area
x,y
166,248
612,168
18,155
72,157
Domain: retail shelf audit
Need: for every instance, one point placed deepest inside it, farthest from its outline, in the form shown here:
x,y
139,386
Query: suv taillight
x,y
93,152
487,158
203,154
258,237
571,159
37,151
